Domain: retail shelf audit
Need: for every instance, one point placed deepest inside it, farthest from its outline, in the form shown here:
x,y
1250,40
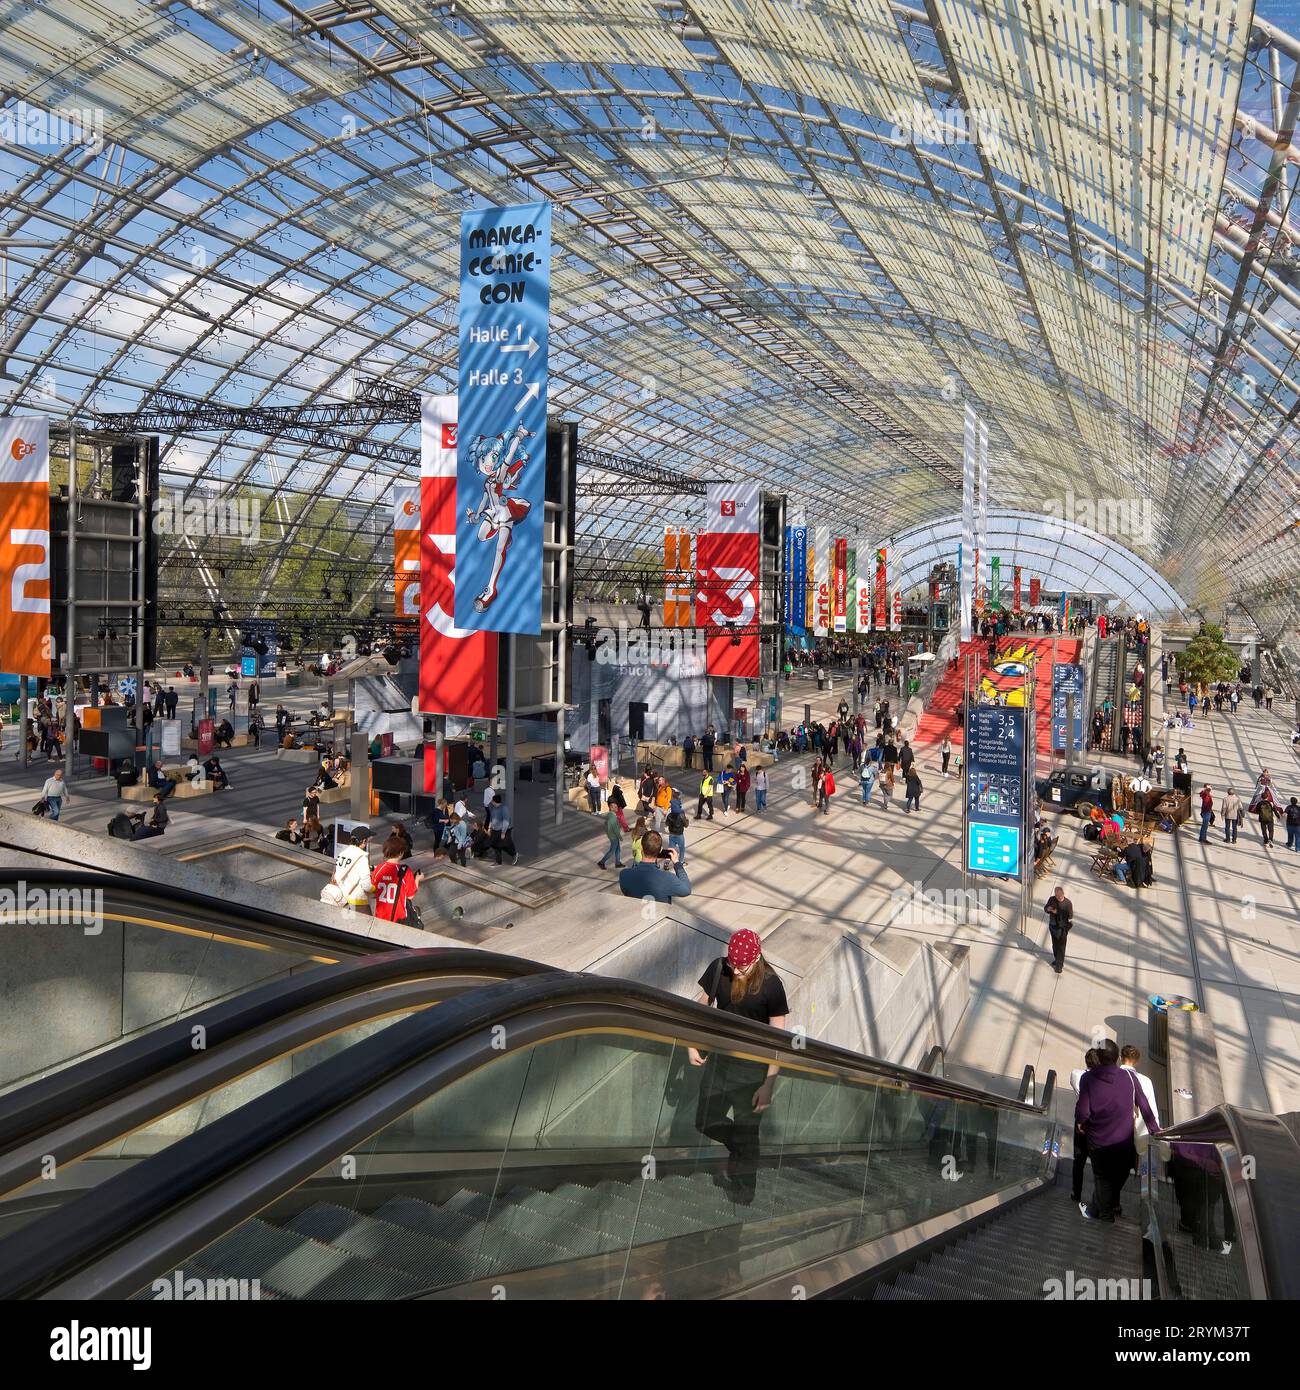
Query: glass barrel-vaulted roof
x,y
795,237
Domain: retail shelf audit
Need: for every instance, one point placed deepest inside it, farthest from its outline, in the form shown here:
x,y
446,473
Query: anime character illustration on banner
x,y
1004,681
501,460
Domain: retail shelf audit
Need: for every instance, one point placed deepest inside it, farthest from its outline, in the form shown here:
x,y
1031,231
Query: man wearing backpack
x,y
352,872
395,884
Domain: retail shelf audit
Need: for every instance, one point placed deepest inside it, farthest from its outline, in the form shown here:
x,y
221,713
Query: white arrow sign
x,y
529,347
531,394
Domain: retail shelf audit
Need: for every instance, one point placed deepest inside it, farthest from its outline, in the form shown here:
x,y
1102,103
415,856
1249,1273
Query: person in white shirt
x,y
1129,1057
593,791
55,791
489,792
352,870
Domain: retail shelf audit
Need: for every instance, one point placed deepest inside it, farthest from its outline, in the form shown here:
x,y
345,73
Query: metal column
x,y
69,679
563,540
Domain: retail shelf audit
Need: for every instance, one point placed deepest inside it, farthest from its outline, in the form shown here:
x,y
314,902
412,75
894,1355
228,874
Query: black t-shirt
x,y
763,1005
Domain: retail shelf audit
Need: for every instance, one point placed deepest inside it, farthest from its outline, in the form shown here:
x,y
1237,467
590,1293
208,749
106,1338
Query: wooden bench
x,y
142,791
184,787
340,793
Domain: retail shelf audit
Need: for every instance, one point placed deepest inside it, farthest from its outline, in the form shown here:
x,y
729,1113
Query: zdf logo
x,y
21,449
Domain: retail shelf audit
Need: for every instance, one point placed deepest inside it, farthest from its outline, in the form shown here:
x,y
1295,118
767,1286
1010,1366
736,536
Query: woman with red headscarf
x,y
734,1092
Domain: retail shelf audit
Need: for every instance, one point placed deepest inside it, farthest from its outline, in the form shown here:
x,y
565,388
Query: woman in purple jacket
x,y
1103,1115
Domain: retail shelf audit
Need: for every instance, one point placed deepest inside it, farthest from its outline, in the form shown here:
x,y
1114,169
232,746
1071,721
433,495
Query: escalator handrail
x,y
1272,1196
75,1090
260,1134
257,923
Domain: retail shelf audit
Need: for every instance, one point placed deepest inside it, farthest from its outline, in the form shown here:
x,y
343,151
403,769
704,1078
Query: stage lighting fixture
x,y
392,654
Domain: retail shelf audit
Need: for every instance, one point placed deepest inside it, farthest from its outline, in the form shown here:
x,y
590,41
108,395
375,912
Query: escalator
x,y
1105,678
547,1136
95,958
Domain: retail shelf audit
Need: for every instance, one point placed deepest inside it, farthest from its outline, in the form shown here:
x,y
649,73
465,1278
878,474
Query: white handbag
x,y
333,896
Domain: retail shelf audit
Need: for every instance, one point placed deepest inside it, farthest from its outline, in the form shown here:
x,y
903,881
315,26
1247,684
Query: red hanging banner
x,y
1035,592
1015,589
458,668
840,613
726,580
882,589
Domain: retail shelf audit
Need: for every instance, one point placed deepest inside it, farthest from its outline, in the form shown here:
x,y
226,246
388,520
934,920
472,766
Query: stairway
x,y
1018,1254
940,720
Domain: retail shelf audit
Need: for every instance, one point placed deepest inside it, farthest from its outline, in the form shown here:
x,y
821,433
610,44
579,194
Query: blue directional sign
x,y
248,665
505,305
1067,680
996,827
799,580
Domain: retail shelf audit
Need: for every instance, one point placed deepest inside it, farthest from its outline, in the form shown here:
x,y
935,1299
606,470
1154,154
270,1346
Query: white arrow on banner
x,y
530,395
529,347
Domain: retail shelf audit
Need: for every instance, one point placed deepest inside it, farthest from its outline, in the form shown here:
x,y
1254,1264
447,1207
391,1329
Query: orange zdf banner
x,y
406,550
679,578
25,643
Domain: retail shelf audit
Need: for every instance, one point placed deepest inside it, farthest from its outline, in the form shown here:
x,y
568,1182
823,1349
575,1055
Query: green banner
x,y
851,590
995,585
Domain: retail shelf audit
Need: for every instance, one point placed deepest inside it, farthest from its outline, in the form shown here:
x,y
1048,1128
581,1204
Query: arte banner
x,y
26,644
505,306
406,550
679,578
840,586
726,579
862,594
995,583
966,559
897,624
1015,589
822,624
882,589
1035,592
458,667
799,580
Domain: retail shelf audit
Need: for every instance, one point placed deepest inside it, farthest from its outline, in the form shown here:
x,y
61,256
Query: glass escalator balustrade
x,y
71,1179
1188,1198
605,1165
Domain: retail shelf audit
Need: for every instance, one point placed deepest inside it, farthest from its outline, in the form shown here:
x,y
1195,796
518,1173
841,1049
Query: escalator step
x,y
615,1212
455,1227
890,1293
424,1257
550,1225
299,1268
473,1204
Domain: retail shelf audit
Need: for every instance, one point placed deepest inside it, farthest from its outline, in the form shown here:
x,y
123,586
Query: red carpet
x,y
939,719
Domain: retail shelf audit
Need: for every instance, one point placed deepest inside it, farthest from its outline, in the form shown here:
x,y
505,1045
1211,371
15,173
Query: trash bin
x,y
1158,1007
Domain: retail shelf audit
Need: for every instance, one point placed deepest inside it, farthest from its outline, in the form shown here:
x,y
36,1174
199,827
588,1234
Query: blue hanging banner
x,y
799,580
505,309
786,610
